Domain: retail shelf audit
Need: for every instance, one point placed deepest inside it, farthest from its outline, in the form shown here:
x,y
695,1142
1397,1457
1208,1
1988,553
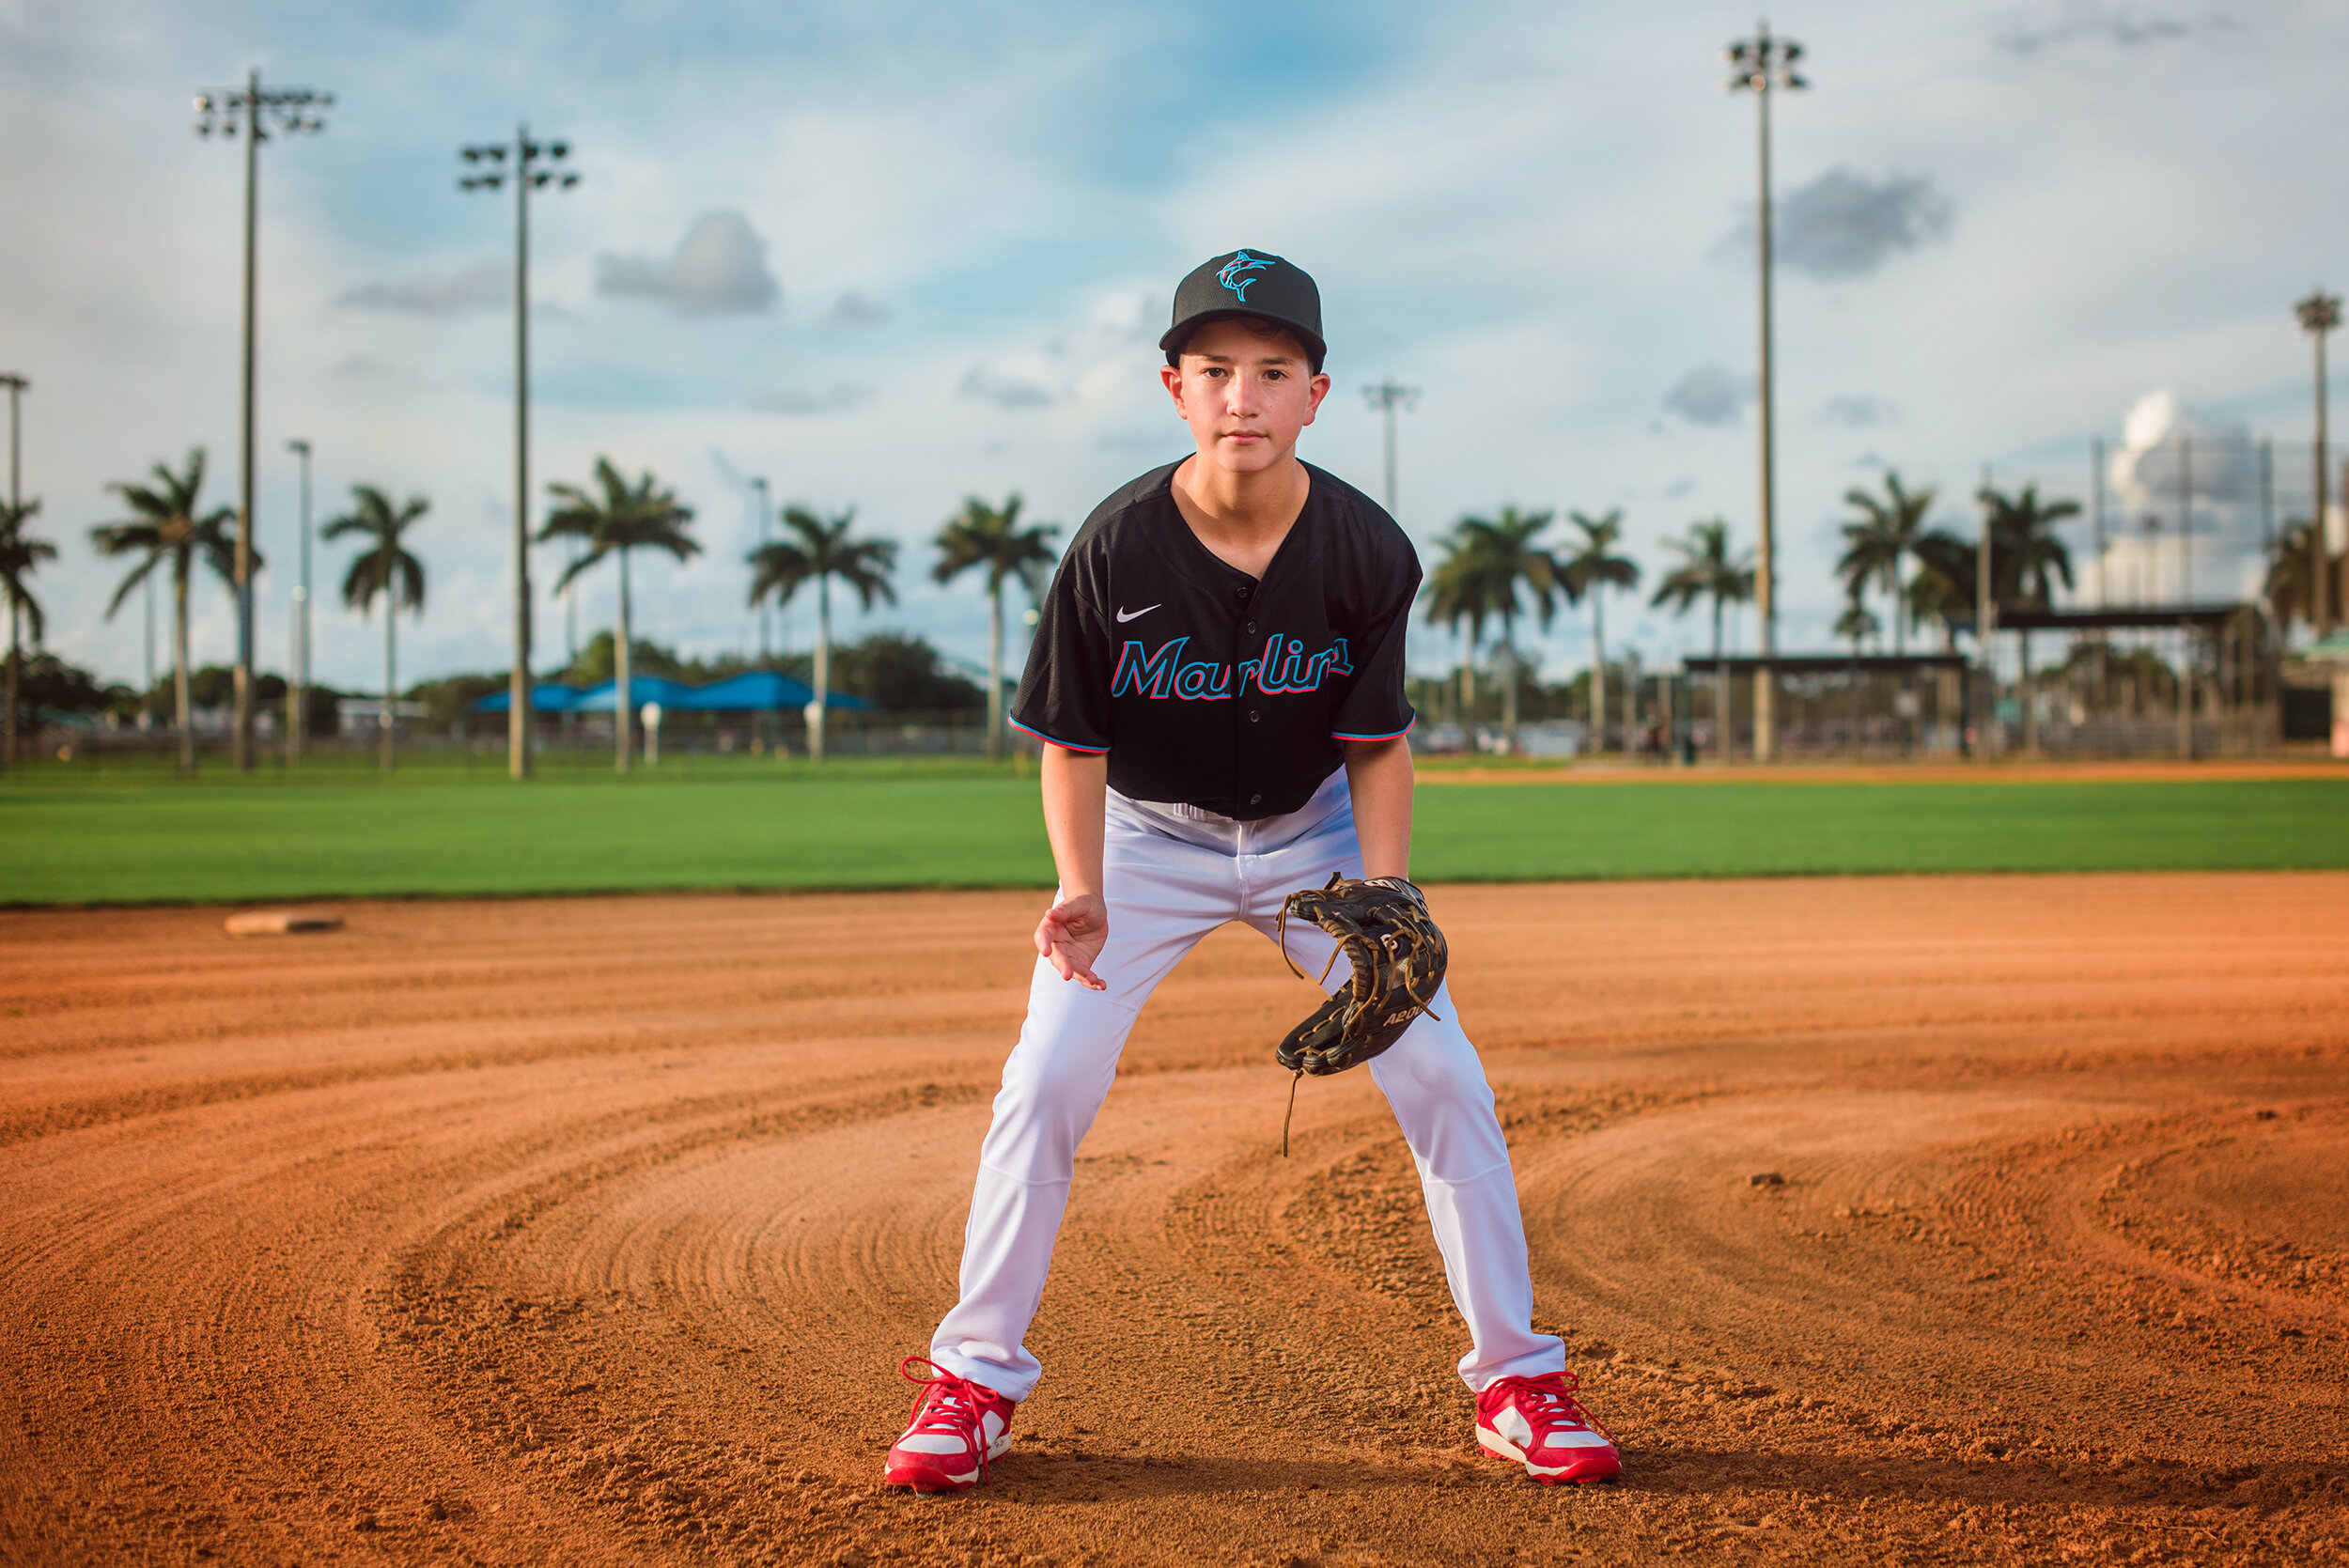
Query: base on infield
x,y
280,922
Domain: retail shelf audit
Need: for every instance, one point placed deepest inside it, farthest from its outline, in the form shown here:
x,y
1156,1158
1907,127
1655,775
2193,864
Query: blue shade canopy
x,y
546,697
753,691
763,691
640,689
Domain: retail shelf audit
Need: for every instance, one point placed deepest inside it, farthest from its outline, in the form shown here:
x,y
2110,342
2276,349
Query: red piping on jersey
x,y
1064,745
1396,736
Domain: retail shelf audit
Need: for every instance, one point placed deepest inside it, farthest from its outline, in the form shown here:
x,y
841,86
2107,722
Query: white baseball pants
x,y
1171,875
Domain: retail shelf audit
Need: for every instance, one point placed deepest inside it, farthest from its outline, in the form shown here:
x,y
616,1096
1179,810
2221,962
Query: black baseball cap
x,y
1248,283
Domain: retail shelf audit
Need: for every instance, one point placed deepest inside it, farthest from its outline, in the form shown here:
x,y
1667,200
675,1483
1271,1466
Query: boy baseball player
x,y
1217,682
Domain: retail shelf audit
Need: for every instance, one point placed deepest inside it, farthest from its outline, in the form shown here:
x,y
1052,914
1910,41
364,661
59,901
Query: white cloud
x,y
1710,394
719,269
2074,19
1860,412
2165,447
1097,360
805,402
1005,392
1844,225
483,285
852,309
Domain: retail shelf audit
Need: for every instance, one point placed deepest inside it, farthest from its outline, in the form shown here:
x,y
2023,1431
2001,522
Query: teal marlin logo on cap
x,y
1235,273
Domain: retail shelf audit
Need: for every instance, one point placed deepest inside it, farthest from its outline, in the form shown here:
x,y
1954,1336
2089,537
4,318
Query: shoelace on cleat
x,y
1549,1403
953,1406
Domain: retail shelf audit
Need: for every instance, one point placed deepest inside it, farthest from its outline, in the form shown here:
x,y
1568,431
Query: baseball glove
x,y
1383,928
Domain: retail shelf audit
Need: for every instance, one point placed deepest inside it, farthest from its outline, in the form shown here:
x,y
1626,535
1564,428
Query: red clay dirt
x,y
592,1230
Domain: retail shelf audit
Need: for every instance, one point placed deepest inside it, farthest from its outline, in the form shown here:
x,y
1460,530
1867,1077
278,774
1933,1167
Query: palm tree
x,y
621,517
1463,588
1858,624
20,554
1706,571
2025,555
2024,551
1943,587
1592,567
382,567
1486,561
2290,570
984,535
823,551
1873,547
166,524
1507,543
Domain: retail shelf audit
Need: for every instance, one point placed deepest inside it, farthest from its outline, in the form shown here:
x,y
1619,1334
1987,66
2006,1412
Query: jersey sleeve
x,y
1375,708
1064,694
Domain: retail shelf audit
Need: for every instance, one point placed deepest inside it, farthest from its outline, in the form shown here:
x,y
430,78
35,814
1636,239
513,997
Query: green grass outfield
x,y
71,836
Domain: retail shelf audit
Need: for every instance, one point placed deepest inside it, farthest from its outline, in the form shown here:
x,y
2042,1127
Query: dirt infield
x,y
592,1230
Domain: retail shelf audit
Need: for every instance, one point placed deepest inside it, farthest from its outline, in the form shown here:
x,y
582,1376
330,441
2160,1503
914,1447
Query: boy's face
x,y
1245,391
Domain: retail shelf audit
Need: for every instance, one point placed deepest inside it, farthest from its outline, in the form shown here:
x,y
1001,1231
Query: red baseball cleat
x,y
1537,1422
956,1428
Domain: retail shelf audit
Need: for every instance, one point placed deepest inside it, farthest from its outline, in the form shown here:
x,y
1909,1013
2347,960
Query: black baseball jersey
x,y
1205,685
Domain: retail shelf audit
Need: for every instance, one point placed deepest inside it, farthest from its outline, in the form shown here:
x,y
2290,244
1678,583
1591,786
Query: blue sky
x,y
889,255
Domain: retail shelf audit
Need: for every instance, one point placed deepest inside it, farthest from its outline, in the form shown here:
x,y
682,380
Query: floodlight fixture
x,y
261,112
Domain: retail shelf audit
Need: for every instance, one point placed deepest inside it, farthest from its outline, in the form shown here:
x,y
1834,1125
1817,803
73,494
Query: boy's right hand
x,y
1070,935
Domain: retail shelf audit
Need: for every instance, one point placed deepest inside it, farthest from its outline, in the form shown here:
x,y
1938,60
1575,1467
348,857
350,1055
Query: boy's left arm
x,y
1379,776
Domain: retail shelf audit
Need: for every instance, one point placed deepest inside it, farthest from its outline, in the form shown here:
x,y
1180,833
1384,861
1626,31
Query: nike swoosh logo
x,y
1125,615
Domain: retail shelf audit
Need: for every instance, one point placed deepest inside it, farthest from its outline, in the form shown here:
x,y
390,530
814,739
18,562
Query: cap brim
x,y
1175,335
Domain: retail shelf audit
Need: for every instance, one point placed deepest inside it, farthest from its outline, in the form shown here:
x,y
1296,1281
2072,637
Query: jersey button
x,y
1251,629
1253,715
1256,799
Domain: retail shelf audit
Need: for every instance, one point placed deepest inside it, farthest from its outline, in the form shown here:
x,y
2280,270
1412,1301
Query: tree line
x,y
170,534
1489,572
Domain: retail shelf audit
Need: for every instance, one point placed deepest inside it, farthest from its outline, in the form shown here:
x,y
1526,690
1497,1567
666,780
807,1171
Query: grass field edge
x,y
749,889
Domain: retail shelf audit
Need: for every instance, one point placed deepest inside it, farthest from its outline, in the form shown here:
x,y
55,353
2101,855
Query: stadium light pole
x,y
255,112
16,386
298,687
758,719
1986,618
520,164
1764,65
760,486
2320,313
1387,397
